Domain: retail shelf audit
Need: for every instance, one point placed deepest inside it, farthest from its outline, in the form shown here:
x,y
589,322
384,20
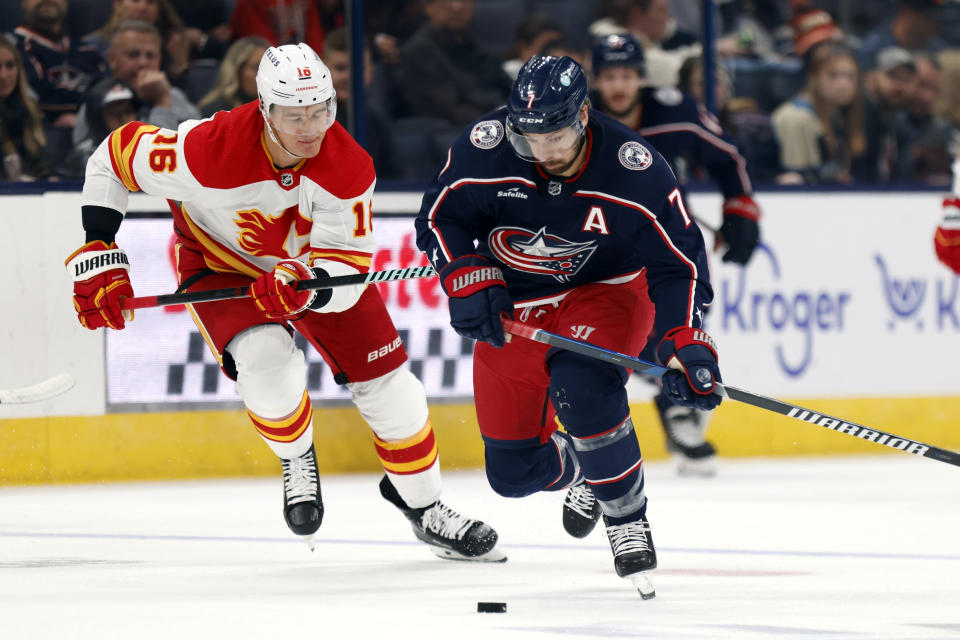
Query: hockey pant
x,y
524,388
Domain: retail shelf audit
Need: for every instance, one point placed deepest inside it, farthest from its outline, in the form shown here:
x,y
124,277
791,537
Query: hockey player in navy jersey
x,y
566,220
689,138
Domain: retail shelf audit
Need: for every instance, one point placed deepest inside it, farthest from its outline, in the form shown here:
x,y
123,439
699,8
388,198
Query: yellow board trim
x,y
196,444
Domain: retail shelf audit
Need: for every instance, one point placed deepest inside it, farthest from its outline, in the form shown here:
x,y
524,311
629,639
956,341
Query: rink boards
x,y
843,309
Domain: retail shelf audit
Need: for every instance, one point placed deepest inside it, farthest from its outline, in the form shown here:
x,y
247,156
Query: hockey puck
x,y
491,607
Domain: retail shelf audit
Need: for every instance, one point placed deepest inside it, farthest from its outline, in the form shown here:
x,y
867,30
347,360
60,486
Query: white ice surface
x,y
844,548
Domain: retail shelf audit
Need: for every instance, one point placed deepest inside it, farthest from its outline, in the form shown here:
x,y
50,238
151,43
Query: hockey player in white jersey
x,y
265,195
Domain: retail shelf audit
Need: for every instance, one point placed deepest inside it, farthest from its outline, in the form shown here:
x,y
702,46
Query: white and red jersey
x,y
244,213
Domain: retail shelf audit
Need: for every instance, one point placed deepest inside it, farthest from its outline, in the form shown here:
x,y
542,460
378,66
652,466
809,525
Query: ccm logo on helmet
x,y
531,120
384,350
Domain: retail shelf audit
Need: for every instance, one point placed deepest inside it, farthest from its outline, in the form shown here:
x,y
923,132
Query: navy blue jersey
x,y
690,138
60,72
620,218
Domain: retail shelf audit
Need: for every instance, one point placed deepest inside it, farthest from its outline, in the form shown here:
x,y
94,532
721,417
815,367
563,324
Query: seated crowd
x,y
805,99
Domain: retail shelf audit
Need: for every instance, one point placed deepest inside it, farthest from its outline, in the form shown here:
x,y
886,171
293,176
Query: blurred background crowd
x,y
810,91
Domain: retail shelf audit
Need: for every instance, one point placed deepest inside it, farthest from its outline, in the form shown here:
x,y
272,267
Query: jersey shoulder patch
x,y
668,96
486,134
635,156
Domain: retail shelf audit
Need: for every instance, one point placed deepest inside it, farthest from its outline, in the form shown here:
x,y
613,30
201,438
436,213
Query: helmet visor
x,y
310,120
552,146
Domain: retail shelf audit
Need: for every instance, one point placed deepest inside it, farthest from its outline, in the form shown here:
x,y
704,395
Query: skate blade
x,y
643,584
494,555
702,468
310,540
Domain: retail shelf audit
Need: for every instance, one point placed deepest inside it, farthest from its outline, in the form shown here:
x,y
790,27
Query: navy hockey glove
x,y
478,295
691,356
740,230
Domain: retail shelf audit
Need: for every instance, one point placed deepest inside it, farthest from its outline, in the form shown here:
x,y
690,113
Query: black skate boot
x,y
581,511
448,534
634,557
685,430
302,502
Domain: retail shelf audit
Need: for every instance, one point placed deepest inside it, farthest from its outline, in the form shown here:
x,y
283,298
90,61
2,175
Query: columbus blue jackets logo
x,y
635,156
487,134
540,252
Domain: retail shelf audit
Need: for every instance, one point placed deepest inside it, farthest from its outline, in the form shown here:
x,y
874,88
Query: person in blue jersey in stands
x,y
560,217
691,141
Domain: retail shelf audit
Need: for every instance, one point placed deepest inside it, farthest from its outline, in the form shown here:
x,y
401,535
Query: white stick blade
x,y
60,383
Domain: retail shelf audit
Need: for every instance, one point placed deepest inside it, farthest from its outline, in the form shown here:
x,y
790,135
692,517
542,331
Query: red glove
x,y
740,229
947,239
276,295
100,280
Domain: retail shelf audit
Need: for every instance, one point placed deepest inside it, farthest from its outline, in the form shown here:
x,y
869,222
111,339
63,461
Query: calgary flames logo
x,y
284,236
540,252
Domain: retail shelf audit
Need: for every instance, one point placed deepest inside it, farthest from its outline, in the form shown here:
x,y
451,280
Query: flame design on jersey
x,y
285,235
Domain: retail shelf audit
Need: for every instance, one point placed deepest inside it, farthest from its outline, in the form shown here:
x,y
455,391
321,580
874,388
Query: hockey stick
x,y
770,404
60,383
241,292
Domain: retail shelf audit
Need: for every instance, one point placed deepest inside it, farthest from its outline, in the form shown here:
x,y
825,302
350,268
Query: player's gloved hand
x,y
478,295
692,357
947,238
275,293
100,280
740,230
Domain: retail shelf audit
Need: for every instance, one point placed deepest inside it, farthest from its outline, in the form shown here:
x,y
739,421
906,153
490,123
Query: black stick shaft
x,y
770,404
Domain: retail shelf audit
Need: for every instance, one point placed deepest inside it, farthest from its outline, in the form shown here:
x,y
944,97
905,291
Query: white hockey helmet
x,y
293,75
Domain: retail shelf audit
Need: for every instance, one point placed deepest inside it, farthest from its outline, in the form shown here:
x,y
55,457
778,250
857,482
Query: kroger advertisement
x,y
843,298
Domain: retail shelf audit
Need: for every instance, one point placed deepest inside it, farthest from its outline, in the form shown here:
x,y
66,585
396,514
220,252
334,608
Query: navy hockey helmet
x,y
546,96
618,50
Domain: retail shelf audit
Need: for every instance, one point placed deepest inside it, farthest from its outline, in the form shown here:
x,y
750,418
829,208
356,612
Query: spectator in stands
x,y
212,18
652,23
929,139
180,43
533,33
22,140
392,23
280,21
811,27
58,69
236,82
379,140
887,88
914,27
821,130
134,58
108,106
443,73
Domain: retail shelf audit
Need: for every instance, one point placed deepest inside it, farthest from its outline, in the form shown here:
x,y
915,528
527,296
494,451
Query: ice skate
x,y
581,511
685,431
634,557
448,534
302,502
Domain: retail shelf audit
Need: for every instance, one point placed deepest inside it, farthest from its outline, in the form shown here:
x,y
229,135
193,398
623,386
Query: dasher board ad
x,y
843,298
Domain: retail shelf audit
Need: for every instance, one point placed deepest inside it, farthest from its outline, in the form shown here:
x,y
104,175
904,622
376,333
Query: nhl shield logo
x,y
554,188
286,179
487,134
635,156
